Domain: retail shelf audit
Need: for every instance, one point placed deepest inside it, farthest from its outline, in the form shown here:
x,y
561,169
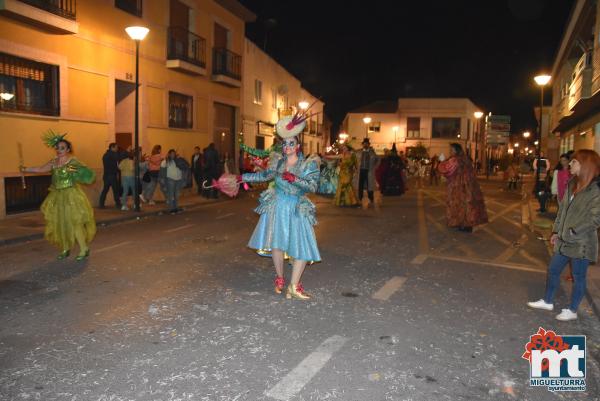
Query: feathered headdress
x,y
291,126
51,138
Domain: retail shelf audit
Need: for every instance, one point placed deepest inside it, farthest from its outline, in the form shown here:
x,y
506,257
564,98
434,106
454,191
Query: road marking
x,y
295,380
505,211
108,248
225,216
496,236
524,215
514,223
511,266
511,250
390,287
532,259
419,259
172,230
423,240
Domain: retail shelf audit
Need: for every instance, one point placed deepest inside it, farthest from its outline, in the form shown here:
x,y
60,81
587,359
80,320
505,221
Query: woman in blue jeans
x,y
574,235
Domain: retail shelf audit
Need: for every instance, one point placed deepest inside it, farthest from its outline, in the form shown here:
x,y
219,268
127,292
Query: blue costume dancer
x,y
286,215
329,178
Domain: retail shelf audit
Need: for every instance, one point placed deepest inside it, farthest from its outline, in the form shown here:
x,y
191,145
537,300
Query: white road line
x,y
511,266
172,230
295,380
108,248
225,216
390,287
419,259
423,238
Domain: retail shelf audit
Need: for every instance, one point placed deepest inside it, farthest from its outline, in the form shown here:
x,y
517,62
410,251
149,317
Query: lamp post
x,y
541,80
367,121
137,33
478,115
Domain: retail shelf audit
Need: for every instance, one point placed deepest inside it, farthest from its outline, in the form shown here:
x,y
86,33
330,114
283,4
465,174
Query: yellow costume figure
x,y
345,195
67,210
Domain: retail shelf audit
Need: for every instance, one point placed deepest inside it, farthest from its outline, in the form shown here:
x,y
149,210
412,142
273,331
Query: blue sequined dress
x,y
328,181
287,216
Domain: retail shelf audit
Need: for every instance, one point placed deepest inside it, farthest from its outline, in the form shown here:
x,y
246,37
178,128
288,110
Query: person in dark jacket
x,y
110,162
574,235
211,169
196,167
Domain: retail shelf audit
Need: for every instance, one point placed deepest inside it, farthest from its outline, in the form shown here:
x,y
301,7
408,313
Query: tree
x,y
419,151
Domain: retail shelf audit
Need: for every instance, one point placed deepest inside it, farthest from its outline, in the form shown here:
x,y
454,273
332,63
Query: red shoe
x,y
569,278
279,285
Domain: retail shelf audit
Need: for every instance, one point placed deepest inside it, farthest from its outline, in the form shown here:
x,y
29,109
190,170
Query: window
x,y
468,129
413,127
257,91
260,142
374,127
28,86
180,110
131,6
274,98
445,127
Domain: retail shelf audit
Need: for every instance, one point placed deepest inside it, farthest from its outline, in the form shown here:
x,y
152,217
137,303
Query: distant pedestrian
x,y
541,189
367,164
512,176
574,234
211,169
173,174
110,162
127,178
465,207
196,168
434,175
153,161
561,177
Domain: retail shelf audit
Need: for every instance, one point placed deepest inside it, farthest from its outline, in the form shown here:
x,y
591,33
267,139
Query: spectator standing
x,y
196,168
561,177
574,234
126,166
110,162
174,180
154,161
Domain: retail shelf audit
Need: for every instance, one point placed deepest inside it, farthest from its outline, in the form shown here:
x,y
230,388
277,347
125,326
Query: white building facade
x,y
431,122
271,92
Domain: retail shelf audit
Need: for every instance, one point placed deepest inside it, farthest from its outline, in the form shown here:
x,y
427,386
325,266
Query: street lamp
x,y
526,134
137,33
478,115
541,80
342,136
6,96
536,143
395,129
367,120
303,105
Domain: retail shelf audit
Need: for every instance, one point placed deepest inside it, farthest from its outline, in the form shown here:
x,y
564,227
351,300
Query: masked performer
x,y
328,181
286,215
67,210
345,194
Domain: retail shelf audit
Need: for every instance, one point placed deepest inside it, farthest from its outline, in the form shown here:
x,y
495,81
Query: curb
x,y
591,288
109,222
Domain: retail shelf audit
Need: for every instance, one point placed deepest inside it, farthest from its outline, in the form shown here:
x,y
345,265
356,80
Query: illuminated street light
x,y
6,96
343,137
478,115
542,80
137,33
526,134
517,145
527,149
395,129
303,105
536,143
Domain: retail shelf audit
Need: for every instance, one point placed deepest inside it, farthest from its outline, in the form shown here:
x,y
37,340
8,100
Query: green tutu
x,y
68,208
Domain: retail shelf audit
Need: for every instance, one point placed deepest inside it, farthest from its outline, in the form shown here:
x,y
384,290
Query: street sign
x,y
494,126
499,119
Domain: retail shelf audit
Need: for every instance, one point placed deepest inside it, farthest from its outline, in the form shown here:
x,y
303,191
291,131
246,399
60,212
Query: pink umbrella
x,y
227,183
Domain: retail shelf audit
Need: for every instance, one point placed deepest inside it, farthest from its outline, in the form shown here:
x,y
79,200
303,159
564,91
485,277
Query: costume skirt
x,y
286,223
66,210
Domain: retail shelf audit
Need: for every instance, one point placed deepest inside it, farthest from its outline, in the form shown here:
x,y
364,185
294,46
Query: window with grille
x,y
180,110
374,126
257,91
274,98
28,86
131,6
413,127
445,127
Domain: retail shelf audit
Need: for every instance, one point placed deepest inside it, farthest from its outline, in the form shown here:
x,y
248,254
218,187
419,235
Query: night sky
x,y
353,52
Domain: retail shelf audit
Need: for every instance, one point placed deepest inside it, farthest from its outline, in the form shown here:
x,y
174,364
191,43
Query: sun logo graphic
x,y
556,362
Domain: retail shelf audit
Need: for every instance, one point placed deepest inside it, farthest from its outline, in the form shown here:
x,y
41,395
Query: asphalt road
x,y
177,308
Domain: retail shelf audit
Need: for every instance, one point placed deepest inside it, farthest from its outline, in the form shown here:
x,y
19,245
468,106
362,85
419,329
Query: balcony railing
x,y
187,46
62,8
227,63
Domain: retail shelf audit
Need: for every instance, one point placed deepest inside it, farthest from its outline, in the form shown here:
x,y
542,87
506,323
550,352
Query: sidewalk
x,y
541,223
30,226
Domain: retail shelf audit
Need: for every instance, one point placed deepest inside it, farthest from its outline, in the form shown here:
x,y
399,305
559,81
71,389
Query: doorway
x,y
224,130
124,113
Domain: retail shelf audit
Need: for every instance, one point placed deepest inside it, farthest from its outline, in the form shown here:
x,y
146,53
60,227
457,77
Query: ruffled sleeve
x,y
309,179
448,167
81,173
268,174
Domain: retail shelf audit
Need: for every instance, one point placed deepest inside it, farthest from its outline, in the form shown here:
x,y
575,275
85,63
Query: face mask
x,y
289,144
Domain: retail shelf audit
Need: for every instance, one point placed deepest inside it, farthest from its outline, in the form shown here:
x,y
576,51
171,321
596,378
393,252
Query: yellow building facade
x,y
71,68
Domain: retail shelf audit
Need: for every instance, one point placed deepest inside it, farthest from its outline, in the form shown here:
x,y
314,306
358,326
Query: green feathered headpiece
x,y
262,153
51,138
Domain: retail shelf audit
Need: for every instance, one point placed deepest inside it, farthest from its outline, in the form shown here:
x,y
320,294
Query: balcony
x,y
227,67
186,51
581,86
54,16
